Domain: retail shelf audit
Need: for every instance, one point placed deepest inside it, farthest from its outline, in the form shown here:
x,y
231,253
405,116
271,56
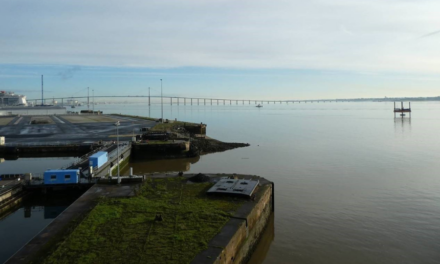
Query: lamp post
x,y
161,99
117,124
93,92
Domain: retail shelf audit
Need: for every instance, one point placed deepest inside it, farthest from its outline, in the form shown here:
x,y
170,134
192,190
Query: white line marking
x,y
18,121
59,120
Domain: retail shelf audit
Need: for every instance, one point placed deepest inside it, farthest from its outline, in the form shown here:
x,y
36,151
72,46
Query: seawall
x,y
238,239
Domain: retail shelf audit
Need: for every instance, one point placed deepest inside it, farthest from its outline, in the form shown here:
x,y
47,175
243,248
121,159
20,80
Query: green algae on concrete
x,y
122,166
124,230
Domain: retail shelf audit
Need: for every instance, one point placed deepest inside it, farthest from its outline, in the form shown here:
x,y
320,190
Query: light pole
x,y
88,98
161,99
93,92
117,139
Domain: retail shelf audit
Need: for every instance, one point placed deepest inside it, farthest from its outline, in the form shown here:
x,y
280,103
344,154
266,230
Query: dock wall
x,y
11,198
238,239
104,170
53,149
164,149
10,192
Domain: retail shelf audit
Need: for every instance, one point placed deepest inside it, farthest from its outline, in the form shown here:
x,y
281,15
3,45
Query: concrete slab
x,y
88,118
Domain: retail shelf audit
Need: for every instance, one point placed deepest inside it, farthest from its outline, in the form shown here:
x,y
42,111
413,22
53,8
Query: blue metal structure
x,y
61,176
98,159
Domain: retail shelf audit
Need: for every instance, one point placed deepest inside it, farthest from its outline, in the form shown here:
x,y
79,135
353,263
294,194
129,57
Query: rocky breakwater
x,y
179,139
201,146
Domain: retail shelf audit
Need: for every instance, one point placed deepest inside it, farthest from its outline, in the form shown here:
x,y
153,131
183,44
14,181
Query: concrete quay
x,y
235,242
67,129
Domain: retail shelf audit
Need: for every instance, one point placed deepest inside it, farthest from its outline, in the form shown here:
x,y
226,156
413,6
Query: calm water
x,y
353,184
34,165
36,212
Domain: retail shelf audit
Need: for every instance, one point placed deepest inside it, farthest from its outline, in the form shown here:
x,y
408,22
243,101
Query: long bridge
x,y
179,100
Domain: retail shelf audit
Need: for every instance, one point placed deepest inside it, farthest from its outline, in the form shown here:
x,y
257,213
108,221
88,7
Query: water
x,y
353,184
24,222
33,215
34,165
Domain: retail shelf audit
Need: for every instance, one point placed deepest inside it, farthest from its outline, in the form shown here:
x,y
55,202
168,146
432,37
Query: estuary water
x,y
353,184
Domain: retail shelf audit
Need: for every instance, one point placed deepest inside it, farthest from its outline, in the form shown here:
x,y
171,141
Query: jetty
x,y
402,110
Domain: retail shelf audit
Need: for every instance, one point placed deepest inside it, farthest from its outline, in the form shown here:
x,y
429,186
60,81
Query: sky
x,y
245,49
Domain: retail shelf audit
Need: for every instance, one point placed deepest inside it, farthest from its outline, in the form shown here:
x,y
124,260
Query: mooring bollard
x,y
131,171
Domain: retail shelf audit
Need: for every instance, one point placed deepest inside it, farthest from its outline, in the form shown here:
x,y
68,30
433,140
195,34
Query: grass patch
x,y
123,230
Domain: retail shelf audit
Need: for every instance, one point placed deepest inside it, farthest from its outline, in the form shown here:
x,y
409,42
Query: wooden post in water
x,y
401,108
394,110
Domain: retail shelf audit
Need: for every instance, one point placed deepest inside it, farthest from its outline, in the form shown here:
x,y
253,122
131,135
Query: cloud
x,y
430,34
68,73
345,30
258,34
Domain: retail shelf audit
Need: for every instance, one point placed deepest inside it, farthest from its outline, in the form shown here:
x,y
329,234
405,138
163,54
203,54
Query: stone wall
x,y
239,237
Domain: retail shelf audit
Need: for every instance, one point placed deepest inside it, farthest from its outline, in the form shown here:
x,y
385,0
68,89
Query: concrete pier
x,y
235,242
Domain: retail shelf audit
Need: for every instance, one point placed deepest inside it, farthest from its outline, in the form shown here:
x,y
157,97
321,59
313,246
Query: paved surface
x,y
19,130
5,120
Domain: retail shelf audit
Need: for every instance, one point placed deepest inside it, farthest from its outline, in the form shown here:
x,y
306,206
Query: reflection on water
x,y
402,125
12,165
145,166
32,216
263,246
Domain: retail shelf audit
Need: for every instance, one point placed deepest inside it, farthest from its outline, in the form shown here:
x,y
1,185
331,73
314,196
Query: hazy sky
x,y
220,48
